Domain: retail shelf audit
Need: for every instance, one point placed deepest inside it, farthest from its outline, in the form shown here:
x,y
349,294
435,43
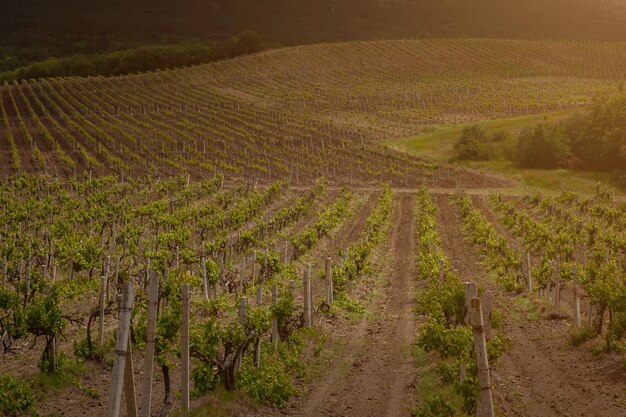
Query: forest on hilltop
x,y
32,30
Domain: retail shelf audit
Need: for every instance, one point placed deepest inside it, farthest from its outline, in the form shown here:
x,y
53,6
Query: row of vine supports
x,y
123,378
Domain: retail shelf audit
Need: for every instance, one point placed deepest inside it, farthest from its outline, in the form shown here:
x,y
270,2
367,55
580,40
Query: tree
x,y
542,146
473,144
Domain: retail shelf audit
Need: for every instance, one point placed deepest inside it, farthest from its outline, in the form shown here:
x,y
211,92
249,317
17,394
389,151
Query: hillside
x,y
300,112
237,238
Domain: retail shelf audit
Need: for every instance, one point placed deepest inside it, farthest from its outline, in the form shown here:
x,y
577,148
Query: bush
x,y
599,138
270,384
542,146
473,144
16,396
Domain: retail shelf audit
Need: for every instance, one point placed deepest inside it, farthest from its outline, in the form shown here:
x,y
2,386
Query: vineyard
x,y
233,239
300,112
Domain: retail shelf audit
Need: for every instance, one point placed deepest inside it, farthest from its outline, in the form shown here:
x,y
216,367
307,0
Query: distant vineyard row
x,y
299,112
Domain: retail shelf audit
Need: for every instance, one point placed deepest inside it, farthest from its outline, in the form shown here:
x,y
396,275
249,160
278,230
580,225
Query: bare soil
x,y
374,374
540,374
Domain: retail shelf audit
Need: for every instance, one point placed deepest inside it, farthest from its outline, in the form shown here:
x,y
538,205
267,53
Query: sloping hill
x,y
300,112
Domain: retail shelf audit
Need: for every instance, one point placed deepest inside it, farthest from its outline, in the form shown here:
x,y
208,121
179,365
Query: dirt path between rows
x,y
374,373
540,375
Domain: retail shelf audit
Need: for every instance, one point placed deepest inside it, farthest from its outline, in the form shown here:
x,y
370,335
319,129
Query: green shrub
x,y
16,396
473,144
436,407
542,146
269,384
349,304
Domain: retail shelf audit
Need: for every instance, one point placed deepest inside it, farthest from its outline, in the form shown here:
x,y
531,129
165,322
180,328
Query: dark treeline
x,y
294,22
144,58
35,30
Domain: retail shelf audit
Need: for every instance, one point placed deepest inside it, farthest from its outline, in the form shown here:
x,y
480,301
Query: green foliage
x,y
436,406
598,139
16,397
326,221
204,344
455,342
497,254
140,59
270,384
542,146
212,271
594,141
579,337
349,304
473,144
204,378
358,253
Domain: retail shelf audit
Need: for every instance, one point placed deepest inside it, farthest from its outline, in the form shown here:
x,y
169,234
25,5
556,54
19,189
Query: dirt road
x,y
374,373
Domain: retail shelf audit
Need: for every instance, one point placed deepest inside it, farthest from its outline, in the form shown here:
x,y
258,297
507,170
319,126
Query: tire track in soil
x,y
374,374
540,374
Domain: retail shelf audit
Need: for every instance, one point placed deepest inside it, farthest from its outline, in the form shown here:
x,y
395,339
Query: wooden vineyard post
x,y
487,307
307,296
147,272
442,273
576,298
52,355
28,273
107,270
470,292
253,267
242,321
129,383
557,282
286,254
549,289
116,277
330,296
153,301
242,277
257,345
184,350
485,399
235,279
205,279
121,348
102,305
275,335
529,275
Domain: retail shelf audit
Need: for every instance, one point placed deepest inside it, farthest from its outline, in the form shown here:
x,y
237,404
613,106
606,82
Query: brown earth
x,y
374,374
540,374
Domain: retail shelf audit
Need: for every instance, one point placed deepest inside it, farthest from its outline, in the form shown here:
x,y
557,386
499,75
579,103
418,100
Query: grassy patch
x,y
220,404
437,145
69,373
580,336
525,307
431,388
